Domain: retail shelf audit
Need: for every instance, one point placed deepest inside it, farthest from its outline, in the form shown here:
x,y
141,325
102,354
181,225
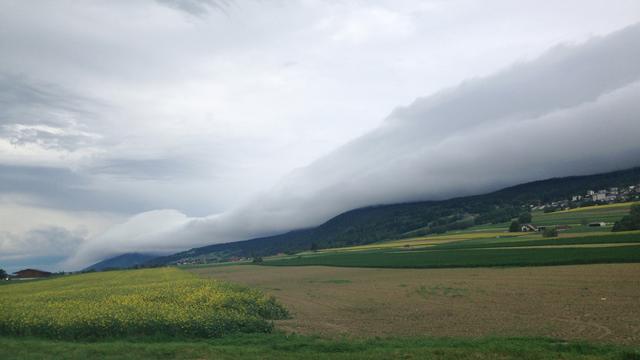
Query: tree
x,y
314,246
629,222
257,260
3,274
515,226
550,232
525,218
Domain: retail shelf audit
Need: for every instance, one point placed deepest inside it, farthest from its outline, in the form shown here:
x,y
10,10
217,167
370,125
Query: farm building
x,y
528,228
598,224
31,274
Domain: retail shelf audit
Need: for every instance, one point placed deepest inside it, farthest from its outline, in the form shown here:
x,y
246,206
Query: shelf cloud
x,y
571,111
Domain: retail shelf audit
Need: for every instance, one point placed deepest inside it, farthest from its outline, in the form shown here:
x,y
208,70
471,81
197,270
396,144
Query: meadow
x,y
492,245
282,347
587,250
165,301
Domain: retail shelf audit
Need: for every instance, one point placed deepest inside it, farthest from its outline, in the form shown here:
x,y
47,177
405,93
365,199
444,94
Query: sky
x,y
157,126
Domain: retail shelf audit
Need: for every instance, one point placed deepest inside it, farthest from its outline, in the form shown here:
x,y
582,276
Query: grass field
x,y
606,213
299,347
469,258
479,253
493,246
163,301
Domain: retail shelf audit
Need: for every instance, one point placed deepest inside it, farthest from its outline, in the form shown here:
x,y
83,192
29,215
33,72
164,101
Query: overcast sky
x,y
157,126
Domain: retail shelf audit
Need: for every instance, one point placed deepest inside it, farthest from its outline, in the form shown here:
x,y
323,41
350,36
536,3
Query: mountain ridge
x,y
389,221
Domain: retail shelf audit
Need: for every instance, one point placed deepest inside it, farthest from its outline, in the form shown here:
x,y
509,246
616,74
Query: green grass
x,y
165,301
280,346
602,213
470,255
473,247
470,258
613,238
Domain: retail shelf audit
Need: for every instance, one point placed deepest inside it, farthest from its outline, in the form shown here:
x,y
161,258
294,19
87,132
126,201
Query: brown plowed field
x,y
590,302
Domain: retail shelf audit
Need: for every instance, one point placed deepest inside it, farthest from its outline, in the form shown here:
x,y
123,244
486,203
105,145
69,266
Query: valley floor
x,y
597,303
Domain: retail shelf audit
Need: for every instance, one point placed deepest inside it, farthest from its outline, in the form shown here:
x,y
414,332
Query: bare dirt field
x,y
589,302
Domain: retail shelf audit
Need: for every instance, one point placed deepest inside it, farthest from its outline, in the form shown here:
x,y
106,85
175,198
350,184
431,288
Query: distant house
x,y
529,228
31,274
600,197
597,224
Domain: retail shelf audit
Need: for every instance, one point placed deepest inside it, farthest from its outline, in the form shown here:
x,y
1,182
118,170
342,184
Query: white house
x,y
600,197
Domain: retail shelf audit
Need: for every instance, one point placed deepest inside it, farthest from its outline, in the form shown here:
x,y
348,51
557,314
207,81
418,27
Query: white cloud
x,y
572,111
129,106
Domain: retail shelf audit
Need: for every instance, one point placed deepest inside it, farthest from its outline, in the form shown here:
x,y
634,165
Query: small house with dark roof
x,y
31,274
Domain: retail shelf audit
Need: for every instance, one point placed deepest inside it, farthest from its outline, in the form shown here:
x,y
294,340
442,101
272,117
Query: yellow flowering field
x,y
163,301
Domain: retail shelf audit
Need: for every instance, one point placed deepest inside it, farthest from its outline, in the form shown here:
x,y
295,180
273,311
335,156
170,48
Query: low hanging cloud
x,y
572,111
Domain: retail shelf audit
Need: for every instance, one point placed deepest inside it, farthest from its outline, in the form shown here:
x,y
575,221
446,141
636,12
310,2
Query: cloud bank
x,y
572,111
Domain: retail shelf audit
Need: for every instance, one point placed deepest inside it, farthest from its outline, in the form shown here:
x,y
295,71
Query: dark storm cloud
x,y
572,111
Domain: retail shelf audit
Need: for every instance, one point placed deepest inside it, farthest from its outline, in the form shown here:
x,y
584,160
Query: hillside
x,y
384,222
123,261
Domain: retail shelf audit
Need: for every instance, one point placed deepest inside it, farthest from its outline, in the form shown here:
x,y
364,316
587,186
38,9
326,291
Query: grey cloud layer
x,y
197,7
45,114
572,111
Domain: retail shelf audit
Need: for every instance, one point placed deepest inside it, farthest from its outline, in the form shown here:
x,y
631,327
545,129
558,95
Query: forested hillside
x,y
384,222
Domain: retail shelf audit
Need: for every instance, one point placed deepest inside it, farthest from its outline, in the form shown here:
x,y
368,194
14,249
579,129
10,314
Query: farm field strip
x,y
497,232
164,301
530,247
424,258
577,302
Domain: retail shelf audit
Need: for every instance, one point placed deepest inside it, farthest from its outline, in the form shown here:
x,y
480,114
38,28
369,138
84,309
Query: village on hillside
x,y
593,197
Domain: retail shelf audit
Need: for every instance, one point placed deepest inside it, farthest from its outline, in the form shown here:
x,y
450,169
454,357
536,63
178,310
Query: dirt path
x,y
590,302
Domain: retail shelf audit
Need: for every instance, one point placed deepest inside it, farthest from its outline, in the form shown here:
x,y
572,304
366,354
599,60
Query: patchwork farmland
x,y
479,293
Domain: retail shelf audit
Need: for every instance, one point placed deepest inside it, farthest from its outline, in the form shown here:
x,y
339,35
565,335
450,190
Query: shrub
x,y
514,227
550,232
629,222
525,218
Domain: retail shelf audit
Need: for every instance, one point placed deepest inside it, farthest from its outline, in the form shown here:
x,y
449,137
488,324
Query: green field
x,y
163,301
280,346
601,213
492,245
469,258
630,237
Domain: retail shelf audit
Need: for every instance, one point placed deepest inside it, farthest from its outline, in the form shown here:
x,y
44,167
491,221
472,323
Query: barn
x,y
31,274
